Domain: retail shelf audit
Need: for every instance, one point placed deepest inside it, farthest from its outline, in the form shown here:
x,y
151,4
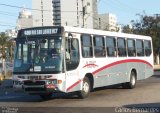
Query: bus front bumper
x,y
39,89
36,87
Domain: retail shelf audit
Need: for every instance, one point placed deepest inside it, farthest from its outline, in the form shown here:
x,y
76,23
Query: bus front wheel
x,y
132,83
85,88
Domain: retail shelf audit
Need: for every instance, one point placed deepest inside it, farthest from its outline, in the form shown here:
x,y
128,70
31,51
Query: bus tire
x,y
86,88
46,96
132,83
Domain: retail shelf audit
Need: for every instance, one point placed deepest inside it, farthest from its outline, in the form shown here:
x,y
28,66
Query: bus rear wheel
x,y
85,88
132,83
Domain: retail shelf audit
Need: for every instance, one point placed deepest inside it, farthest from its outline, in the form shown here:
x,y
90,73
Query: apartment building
x,y
108,21
79,13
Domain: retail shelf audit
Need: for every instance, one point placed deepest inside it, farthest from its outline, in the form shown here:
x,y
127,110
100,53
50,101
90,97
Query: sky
x,y
125,10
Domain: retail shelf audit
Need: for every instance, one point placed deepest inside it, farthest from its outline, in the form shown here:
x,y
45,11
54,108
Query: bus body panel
x,y
116,72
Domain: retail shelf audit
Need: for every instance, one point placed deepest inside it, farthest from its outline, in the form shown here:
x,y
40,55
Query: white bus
x,y
69,59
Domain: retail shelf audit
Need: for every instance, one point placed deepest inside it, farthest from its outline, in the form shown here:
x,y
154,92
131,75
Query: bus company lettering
x,y
40,32
90,64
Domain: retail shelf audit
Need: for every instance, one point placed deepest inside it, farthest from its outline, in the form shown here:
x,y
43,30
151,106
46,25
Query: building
x,y
80,13
11,33
24,20
42,12
108,21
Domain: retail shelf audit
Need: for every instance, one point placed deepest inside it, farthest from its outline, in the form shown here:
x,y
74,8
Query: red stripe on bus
x,y
122,62
90,65
69,88
110,65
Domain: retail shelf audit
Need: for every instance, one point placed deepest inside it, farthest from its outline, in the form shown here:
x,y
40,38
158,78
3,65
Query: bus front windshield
x,y
38,55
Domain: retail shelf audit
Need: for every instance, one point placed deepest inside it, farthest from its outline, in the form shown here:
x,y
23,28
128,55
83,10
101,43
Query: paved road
x,y
146,94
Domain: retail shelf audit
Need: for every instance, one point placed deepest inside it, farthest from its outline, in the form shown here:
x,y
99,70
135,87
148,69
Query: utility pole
x,y
42,10
83,12
77,13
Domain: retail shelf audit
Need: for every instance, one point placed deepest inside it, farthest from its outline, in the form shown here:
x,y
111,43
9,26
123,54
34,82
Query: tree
x,y
5,46
127,29
147,25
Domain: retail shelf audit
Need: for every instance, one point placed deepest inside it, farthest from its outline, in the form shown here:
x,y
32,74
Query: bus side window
x,y
74,50
111,46
147,47
139,47
131,47
121,44
87,50
99,47
72,54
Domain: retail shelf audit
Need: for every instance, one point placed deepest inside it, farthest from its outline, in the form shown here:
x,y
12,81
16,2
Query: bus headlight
x,y
52,82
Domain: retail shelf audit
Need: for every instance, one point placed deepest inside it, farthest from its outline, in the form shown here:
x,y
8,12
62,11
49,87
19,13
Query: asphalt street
x,y
146,94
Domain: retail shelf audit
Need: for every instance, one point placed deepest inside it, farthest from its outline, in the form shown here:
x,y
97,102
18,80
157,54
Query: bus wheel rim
x,y
133,80
86,87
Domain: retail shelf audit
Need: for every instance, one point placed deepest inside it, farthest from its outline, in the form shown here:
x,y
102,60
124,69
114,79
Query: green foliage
x,y
147,25
5,46
127,29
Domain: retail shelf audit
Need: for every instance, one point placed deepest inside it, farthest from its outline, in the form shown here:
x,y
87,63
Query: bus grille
x,y
35,89
34,83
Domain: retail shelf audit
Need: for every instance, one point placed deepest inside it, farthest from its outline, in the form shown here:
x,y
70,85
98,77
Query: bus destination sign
x,y
45,31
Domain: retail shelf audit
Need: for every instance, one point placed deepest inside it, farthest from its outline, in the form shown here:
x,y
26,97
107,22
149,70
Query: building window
x,y
87,50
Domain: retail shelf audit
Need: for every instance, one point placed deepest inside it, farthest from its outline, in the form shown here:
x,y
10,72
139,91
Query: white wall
x,y
108,22
47,19
68,13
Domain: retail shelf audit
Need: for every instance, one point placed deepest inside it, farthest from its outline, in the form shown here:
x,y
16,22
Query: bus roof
x,y
105,33
87,31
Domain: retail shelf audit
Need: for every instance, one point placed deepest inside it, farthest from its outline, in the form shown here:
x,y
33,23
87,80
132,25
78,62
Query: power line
x,y
1,13
124,5
13,6
6,25
5,12
117,6
5,22
19,7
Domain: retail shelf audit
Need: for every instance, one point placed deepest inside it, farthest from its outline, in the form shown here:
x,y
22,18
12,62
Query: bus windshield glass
x,y
38,55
